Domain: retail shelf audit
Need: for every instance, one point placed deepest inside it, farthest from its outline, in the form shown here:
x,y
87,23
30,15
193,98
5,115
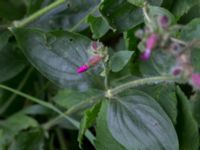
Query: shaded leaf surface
x,y
104,139
98,26
88,120
119,60
138,122
187,128
57,55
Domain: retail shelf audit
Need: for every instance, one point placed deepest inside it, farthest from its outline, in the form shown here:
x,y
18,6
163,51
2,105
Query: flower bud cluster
x,y
161,38
97,53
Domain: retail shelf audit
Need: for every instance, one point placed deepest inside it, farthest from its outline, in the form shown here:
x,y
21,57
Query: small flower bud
x,y
139,34
96,45
195,80
82,69
94,60
146,55
176,71
163,21
175,49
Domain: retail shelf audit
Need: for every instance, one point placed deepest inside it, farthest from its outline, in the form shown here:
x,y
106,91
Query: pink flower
x,y
150,44
195,80
82,69
151,41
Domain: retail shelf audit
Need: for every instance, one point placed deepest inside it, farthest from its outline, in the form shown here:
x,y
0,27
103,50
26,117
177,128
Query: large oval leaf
x,y
57,56
139,123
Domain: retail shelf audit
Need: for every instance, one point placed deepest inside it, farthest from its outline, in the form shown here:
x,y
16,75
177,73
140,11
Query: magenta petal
x,y
151,41
146,55
82,69
195,80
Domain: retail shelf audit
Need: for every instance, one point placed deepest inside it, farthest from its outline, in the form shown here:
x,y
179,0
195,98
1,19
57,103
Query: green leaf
x,y
88,120
66,16
29,140
12,10
191,30
98,26
120,14
11,62
180,7
195,103
189,33
140,3
119,60
57,55
165,95
104,139
12,127
159,64
187,126
68,98
138,122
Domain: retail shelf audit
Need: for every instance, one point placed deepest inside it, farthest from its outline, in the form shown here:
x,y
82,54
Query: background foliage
x,y
45,104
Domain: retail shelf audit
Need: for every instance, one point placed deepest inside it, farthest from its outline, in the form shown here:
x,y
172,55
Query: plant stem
x,y
88,134
151,80
13,96
31,18
61,139
106,76
71,110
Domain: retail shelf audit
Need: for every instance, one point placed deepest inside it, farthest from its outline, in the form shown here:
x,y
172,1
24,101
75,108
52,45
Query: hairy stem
x,y
13,96
146,81
71,110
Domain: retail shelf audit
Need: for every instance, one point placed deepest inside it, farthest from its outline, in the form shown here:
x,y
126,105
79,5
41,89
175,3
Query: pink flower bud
x,y
82,69
151,41
163,21
195,80
176,71
94,60
146,55
94,45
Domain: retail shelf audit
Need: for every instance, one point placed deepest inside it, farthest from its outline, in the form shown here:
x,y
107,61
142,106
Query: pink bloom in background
x,y
195,80
82,69
151,41
150,44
